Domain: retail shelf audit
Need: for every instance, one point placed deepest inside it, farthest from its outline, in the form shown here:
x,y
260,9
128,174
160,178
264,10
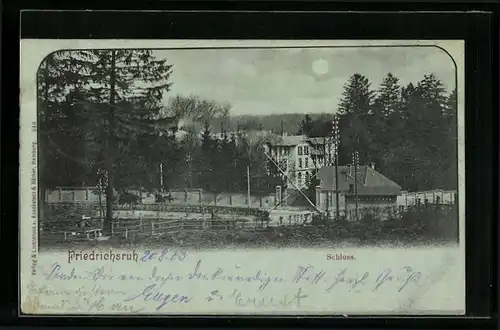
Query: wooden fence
x,y
153,227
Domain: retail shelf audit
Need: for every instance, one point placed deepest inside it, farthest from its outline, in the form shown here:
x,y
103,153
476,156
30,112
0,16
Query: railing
x,y
158,227
90,234
202,209
127,228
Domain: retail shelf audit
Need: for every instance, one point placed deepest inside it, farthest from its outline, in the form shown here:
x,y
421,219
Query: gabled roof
x,y
293,140
369,181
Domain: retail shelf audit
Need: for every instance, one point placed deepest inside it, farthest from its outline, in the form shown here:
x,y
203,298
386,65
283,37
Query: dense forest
x,y
409,132
275,123
102,118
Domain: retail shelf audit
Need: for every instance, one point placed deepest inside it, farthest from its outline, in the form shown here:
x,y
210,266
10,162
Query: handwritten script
x,y
168,281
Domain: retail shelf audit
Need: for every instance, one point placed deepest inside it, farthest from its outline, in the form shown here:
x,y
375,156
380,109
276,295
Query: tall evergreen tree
x,y
205,169
423,150
222,160
306,126
117,93
386,124
355,108
191,155
233,163
388,98
451,143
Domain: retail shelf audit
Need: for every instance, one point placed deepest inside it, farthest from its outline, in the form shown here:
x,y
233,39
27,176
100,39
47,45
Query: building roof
x,y
293,140
369,181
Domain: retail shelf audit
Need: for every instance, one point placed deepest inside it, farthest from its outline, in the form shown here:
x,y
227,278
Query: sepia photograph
x,y
228,158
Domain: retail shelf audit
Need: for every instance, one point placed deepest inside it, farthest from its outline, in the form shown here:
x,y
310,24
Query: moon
x,y
320,67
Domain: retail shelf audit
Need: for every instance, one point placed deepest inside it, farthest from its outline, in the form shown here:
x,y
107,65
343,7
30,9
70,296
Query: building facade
x,y
299,157
358,191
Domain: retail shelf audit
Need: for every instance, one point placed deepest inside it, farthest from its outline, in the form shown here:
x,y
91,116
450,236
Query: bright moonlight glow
x,y
320,67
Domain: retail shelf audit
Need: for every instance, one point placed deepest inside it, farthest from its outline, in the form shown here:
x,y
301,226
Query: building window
x,y
307,162
300,151
300,162
299,178
306,150
307,176
351,188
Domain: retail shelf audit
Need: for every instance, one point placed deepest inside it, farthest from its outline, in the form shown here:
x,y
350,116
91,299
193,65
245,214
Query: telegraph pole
x,y
161,178
336,144
355,163
248,185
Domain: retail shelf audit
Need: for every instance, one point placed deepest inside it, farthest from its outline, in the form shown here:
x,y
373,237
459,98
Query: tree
x,y
432,126
306,126
190,154
233,164
193,111
386,124
409,132
244,160
251,125
311,185
222,161
113,101
421,160
388,100
450,144
355,108
321,127
206,165
63,159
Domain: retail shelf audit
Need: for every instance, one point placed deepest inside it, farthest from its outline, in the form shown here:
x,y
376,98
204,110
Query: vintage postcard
x,y
216,177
